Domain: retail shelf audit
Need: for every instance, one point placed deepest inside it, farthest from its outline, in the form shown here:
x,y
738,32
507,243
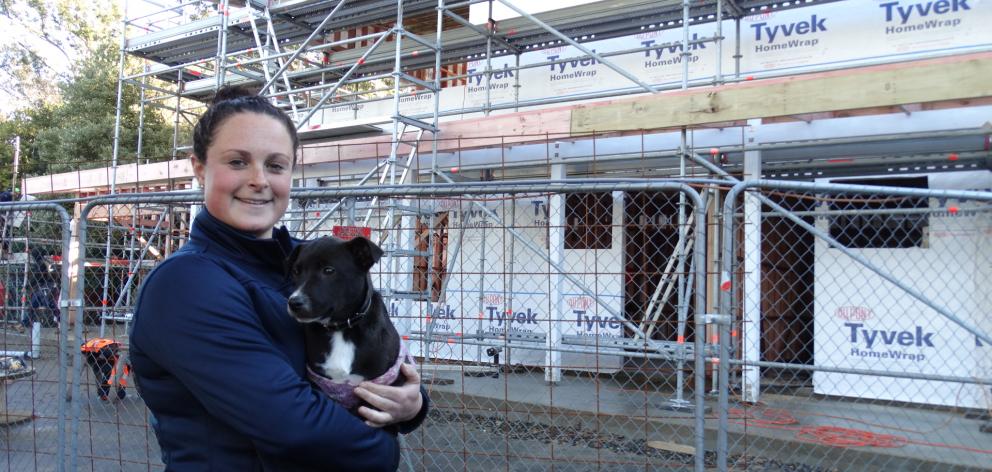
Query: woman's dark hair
x,y
228,102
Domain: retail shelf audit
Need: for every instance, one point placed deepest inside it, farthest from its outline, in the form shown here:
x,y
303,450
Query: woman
x,y
216,358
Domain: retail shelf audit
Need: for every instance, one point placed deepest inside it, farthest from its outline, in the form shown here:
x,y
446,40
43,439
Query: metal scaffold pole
x,y
113,171
429,375
490,31
178,114
221,68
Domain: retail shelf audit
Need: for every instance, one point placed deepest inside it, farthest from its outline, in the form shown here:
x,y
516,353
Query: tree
x,y
81,131
24,124
43,38
67,114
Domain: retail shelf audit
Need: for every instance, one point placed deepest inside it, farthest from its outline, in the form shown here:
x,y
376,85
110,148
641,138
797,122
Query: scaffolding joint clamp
x,y
71,303
716,318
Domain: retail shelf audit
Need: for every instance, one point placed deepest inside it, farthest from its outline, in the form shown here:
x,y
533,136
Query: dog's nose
x,y
297,303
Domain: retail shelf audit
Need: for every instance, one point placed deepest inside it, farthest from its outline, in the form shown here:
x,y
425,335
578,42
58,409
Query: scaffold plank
x,y
293,20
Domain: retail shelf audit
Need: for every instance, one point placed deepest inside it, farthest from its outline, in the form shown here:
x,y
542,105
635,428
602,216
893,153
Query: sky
x,y
478,13
14,31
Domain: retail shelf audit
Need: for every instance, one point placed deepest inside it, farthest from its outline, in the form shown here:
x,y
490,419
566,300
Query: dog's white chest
x,y
337,365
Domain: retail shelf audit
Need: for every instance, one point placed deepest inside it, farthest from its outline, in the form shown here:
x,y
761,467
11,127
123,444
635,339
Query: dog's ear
x,y
366,252
291,260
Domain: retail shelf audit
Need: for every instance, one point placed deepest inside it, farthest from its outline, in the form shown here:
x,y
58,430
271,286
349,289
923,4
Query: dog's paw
x,y
355,379
337,375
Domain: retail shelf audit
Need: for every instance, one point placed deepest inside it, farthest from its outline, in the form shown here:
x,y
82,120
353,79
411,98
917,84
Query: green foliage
x,y
81,134
26,124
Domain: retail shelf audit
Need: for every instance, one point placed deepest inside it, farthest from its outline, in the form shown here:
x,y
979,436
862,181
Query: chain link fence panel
x,y
121,242
530,350
515,300
33,346
562,326
860,324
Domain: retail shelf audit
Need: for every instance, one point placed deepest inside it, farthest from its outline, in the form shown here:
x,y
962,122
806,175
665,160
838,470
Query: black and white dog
x,y
348,332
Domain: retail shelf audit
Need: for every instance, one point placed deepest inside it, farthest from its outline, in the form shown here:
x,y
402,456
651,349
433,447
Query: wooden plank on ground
x,y
951,78
672,447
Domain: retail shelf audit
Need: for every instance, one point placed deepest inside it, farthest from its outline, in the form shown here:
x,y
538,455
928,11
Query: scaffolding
x,y
317,58
312,56
328,62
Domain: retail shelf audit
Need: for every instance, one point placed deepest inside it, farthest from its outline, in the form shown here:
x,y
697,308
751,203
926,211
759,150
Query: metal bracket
x,y
74,302
716,318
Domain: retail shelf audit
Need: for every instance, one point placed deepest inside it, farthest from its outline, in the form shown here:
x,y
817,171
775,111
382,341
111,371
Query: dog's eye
x,y
296,271
328,270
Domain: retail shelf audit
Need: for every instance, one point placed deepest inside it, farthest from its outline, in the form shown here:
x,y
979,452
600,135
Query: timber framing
x,y
952,78
954,81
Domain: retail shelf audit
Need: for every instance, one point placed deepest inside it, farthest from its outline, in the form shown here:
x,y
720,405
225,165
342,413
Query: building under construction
x,y
618,234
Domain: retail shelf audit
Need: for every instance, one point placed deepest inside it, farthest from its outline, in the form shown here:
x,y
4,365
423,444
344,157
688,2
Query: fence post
x,y
556,246
751,315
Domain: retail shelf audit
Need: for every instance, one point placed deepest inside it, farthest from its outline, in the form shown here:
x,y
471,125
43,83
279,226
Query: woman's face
x,y
247,173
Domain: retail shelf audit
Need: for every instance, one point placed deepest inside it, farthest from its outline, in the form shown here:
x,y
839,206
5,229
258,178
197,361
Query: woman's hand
x,y
391,404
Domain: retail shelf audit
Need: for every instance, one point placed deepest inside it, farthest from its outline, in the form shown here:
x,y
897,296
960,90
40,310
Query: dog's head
x,y
331,276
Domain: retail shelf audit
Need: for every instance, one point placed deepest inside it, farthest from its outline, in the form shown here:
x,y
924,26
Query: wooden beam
x,y
99,179
912,107
492,131
951,78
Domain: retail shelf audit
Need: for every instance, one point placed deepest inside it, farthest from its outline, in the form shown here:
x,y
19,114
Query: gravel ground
x,y
568,443
115,437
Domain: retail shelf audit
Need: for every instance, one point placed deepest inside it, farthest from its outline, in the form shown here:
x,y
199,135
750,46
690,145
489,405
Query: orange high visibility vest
x,y
95,344
117,375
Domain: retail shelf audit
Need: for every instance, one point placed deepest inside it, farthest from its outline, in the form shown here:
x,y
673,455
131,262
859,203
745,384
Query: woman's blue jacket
x,y
221,365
